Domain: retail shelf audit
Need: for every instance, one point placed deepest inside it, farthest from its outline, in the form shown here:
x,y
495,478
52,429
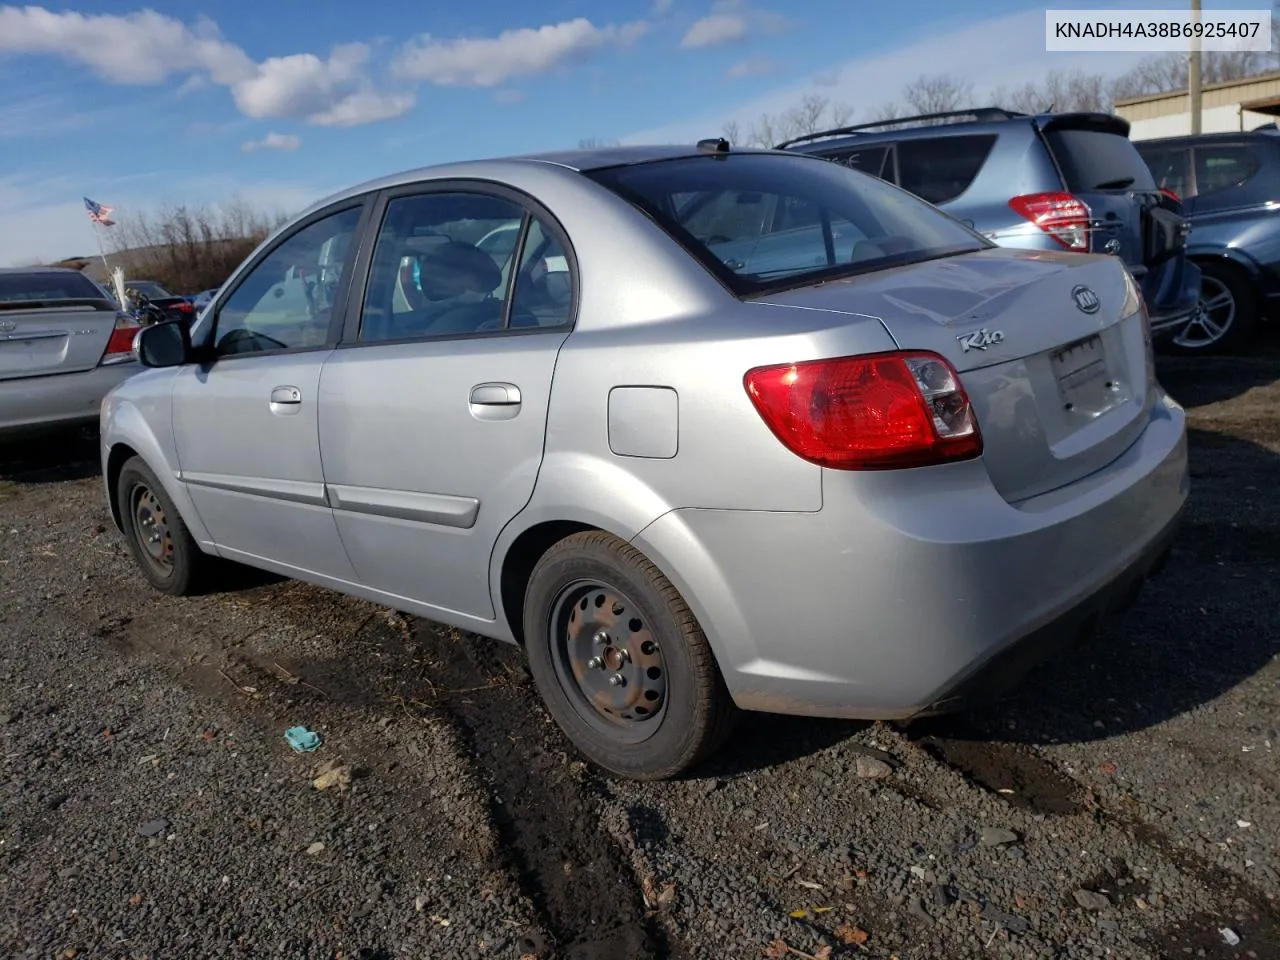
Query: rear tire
x,y
620,661
160,542
1227,315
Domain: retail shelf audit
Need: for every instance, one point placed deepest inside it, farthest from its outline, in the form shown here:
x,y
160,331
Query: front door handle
x,y
495,401
495,395
286,401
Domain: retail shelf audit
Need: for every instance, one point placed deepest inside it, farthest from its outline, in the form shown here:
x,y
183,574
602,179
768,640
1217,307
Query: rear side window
x,y
26,287
939,169
1093,160
1171,168
1225,167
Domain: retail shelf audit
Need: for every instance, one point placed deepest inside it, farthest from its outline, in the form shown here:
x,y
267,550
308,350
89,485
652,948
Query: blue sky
x,y
280,102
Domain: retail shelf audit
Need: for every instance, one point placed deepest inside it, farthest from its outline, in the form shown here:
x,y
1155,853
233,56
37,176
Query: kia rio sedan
x,y
720,430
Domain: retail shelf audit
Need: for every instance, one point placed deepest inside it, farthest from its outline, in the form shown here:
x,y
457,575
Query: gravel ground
x,y
1124,801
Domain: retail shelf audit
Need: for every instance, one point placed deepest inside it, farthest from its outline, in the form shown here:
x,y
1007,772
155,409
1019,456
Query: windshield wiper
x,y
1117,184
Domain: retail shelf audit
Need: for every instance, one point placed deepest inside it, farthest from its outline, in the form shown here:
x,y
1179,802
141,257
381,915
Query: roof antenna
x,y
714,145
1052,104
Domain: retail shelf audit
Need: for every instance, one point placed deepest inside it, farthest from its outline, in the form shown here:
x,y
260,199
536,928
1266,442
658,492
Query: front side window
x,y
451,264
867,159
286,301
762,222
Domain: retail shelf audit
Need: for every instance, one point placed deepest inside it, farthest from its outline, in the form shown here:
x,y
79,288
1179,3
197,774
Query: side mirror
x,y
165,344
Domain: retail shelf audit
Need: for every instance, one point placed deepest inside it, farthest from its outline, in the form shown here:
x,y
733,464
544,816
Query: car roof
x,y
1192,138
500,168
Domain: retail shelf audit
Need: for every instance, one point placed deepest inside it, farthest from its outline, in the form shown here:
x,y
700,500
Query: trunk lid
x,y
59,337
1052,352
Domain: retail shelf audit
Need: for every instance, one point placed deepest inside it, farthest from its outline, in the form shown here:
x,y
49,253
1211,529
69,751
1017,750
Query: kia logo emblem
x,y
1086,299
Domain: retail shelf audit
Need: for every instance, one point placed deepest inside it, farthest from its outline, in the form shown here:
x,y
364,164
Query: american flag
x,y
98,212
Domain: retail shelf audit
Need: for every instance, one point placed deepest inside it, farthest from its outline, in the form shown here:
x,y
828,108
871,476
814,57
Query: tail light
x,y
1172,195
183,306
120,345
878,412
1062,216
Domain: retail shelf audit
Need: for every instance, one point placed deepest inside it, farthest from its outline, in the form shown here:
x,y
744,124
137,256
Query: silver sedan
x,y
63,344
718,430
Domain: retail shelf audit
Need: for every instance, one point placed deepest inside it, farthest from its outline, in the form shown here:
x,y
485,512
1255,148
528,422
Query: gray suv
x,y
1070,181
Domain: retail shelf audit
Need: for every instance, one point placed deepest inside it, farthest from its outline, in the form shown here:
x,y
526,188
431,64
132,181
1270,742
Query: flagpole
x,y
106,268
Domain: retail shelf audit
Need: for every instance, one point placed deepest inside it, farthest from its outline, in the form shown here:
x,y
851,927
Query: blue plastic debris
x,y
302,740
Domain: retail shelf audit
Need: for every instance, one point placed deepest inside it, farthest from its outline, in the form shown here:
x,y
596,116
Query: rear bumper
x,y
910,591
65,399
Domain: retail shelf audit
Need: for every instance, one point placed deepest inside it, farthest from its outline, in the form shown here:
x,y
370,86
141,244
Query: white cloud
x,y
1004,51
136,48
273,141
714,30
757,66
147,48
729,22
659,7
491,61
364,106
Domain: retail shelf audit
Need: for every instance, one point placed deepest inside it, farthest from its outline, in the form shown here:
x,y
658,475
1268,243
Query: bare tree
x,y
1059,92
187,249
732,131
813,114
938,93
597,143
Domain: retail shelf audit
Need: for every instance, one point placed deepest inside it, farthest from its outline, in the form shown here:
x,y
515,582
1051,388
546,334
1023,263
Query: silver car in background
x,y
63,344
720,430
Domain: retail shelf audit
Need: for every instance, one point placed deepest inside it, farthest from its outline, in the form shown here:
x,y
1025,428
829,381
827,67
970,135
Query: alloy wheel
x,y
1213,317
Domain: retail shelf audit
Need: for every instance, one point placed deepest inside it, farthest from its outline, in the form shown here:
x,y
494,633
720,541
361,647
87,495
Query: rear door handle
x,y
495,395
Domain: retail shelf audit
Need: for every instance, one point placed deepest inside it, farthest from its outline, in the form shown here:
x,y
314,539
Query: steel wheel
x,y
608,661
151,529
1213,318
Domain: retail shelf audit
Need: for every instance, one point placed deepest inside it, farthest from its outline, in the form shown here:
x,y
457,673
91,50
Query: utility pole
x,y
1193,72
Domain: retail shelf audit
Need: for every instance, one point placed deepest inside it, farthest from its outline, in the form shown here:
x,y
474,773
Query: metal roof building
x,y
1224,108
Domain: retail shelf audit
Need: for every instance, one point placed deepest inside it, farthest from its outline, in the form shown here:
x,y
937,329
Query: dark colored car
x,y
1070,181
170,306
1230,189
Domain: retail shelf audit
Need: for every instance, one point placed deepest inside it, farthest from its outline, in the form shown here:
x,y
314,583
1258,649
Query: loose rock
x,y
1091,900
996,836
153,828
869,768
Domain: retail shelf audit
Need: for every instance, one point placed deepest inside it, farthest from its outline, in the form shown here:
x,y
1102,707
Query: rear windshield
x,y
761,222
1093,160
27,287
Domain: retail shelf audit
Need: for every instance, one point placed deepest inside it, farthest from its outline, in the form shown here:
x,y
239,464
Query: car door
x,y
433,410
246,420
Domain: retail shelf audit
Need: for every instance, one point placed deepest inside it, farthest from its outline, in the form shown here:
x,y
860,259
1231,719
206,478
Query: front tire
x,y
160,542
620,660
